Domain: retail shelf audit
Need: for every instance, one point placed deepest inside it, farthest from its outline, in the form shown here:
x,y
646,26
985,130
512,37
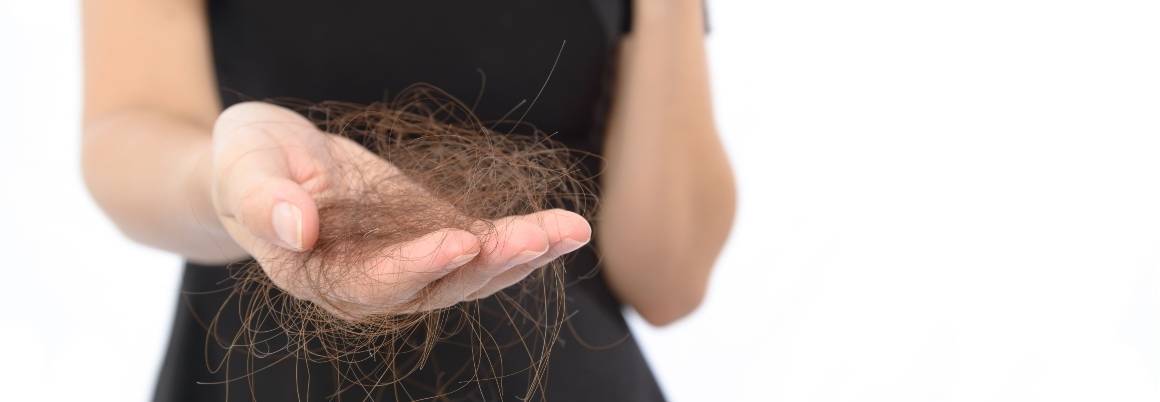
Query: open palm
x,y
271,165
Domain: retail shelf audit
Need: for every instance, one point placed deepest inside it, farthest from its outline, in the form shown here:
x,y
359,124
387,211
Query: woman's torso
x,y
501,52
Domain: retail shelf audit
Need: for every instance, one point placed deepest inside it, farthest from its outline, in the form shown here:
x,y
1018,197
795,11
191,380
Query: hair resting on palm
x,y
451,181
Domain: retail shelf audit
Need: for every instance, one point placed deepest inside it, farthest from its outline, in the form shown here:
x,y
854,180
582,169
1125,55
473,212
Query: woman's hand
x,y
270,165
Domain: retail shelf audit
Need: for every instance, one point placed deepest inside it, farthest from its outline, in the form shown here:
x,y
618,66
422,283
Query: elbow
x,y
98,160
91,172
97,156
101,189
674,306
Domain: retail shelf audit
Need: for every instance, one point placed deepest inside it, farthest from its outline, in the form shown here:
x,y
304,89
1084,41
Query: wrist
x,y
199,185
198,194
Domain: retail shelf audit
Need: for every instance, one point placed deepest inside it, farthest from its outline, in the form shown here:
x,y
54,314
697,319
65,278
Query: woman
x,y
174,158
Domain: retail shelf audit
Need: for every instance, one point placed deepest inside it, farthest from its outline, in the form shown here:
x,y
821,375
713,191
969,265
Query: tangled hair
x,y
454,171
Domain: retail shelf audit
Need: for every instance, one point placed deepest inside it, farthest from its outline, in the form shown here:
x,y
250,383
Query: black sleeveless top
x,y
364,51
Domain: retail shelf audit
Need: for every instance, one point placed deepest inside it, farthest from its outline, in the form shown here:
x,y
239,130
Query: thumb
x,y
255,189
279,211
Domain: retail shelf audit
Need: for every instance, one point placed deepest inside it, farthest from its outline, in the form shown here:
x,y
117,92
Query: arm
x,y
174,173
148,113
668,198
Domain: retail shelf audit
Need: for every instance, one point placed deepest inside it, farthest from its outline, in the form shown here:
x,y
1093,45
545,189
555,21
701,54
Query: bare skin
x,y
668,194
175,172
271,164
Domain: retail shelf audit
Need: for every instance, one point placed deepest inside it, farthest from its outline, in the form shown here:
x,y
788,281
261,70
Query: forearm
x,y
150,172
668,192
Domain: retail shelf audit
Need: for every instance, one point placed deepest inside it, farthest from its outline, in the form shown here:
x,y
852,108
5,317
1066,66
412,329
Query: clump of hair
x,y
459,173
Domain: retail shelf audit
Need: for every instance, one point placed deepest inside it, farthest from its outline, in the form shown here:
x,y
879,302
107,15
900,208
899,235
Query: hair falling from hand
x,y
451,172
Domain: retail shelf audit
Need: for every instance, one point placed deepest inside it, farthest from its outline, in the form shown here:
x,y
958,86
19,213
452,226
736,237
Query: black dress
x,y
364,51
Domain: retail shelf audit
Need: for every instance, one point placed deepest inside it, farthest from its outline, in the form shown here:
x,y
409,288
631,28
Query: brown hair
x,y
467,173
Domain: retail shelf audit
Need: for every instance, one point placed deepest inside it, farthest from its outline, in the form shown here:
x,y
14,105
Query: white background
x,y
940,201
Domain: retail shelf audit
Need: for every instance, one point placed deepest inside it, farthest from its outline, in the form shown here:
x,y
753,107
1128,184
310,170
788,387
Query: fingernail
x,y
568,245
288,224
525,257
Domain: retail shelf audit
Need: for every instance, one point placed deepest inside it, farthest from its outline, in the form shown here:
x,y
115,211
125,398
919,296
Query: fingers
x,y
402,272
566,232
562,225
519,273
563,232
516,241
449,266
